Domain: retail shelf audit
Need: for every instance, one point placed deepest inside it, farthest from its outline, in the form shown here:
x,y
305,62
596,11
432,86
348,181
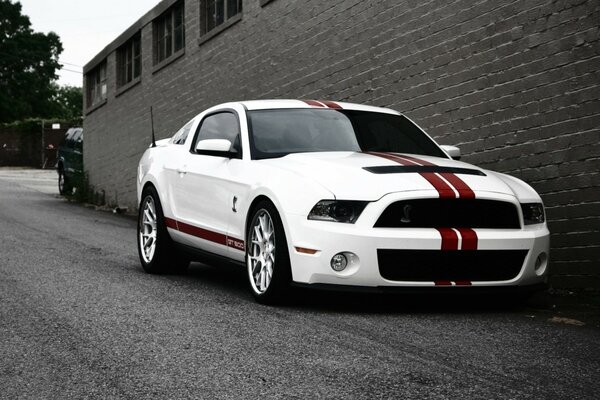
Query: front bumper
x,y
364,241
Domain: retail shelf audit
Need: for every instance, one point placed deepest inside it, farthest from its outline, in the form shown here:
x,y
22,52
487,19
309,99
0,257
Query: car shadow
x,y
231,279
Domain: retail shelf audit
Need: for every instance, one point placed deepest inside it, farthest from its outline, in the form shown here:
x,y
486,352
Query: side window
x,y
67,137
223,125
182,134
77,139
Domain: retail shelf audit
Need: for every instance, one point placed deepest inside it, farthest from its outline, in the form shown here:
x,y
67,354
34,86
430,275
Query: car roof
x,y
324,104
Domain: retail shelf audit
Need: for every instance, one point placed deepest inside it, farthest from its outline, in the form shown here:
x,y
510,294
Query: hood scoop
x,y
407,169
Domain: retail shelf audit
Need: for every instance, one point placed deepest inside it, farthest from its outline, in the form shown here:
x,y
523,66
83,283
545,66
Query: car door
x,y
206,184
66,149
174,163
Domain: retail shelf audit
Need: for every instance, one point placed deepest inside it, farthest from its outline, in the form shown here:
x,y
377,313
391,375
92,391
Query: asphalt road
x,y
80,319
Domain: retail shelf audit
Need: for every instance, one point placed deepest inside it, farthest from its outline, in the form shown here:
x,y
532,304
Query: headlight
x,y
346,211
533,213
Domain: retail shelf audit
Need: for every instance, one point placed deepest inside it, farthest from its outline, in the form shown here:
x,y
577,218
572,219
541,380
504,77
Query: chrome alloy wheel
x,y
261,254
147,229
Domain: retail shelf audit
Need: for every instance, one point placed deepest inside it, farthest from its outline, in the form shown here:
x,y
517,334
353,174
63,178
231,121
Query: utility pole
x,y
43,147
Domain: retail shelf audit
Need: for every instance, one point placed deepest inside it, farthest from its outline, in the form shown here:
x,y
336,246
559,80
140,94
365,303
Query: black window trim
x,y
129,45
224,154
223,27
176,54
89,105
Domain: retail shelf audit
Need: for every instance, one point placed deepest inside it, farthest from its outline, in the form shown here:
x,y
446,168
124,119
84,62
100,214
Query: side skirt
x,y
207,257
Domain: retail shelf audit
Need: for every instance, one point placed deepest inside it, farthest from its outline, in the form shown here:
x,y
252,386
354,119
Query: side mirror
x,y
213,145
453,151
216,147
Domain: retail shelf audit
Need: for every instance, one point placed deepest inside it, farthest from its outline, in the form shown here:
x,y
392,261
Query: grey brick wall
x,y
515,84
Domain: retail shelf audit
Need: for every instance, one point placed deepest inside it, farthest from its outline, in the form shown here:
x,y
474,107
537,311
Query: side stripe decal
x,y
205,234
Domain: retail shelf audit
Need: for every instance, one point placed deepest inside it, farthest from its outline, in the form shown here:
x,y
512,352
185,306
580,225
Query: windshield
x,y
276,133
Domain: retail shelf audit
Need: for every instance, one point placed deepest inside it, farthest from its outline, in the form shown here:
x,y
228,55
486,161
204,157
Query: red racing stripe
x,y
416,160
171,223
331,104
202,233
443,189
462,283
205,234
314,103
464,191
449,239
440,185
469,238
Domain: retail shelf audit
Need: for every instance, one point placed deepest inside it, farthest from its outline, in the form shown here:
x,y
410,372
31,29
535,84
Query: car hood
x,y
351,176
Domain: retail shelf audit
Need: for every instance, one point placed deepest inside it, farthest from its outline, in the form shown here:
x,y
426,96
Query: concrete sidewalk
x,y
41,180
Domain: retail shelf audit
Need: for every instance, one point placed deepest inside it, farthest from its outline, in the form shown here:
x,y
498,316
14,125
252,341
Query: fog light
x,y
540,263
339,262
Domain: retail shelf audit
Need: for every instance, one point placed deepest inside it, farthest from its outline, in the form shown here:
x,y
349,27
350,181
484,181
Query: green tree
x,y
28,64
67,102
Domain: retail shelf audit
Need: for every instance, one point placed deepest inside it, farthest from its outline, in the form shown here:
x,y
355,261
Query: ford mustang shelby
x,y
329,193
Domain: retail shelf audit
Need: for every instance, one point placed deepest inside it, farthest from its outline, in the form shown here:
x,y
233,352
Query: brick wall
x,y
515,84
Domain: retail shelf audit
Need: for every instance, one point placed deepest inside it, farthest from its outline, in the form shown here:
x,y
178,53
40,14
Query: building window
x,y
168,33
217,12
129,61
96,85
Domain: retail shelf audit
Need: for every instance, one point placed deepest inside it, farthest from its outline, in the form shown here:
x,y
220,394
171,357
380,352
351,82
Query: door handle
x,y
182,170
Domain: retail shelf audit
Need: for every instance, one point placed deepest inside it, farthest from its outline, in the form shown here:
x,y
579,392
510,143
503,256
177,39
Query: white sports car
x,y
320,193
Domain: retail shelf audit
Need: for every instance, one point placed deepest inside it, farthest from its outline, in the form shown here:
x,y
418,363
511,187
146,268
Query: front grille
x,y
435,265
450,213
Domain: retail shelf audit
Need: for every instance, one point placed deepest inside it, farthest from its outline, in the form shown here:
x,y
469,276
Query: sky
x,y
85,27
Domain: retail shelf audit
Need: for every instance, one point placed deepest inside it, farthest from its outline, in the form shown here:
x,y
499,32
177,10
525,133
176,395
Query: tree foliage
x,y
28,65
67,102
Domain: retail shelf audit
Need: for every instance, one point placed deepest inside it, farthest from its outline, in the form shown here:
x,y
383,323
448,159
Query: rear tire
x,y
156,249
267,256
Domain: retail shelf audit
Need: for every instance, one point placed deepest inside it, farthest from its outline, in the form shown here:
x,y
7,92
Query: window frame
x,y
225,154
167,32
205,32
127,61
96,86
177,138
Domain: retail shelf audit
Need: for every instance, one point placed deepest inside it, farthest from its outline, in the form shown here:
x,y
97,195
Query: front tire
x,y
156,249
267,256
64,186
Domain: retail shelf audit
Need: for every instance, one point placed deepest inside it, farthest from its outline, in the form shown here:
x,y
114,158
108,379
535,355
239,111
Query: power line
x,y
72,65
71,70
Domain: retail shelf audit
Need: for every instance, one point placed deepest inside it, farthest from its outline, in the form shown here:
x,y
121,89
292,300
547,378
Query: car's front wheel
x,y
267,257
64,186
155,247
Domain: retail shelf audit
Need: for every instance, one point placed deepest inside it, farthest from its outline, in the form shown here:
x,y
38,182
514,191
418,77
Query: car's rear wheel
x,y
267,257
64,186
155,247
